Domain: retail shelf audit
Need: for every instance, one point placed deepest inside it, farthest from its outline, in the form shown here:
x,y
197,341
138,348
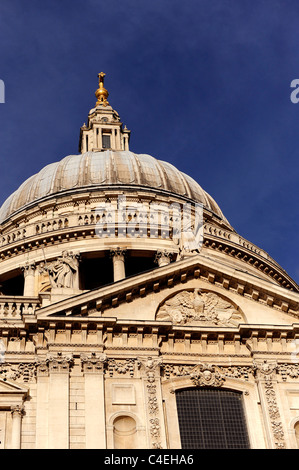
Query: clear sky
x,y
202,84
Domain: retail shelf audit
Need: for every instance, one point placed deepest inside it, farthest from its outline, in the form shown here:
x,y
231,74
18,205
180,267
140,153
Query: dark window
x,y
139,264
13,286
106,141
211,419
95,273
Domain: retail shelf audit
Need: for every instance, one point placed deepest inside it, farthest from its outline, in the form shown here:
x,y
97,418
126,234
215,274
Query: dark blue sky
x,y
203,84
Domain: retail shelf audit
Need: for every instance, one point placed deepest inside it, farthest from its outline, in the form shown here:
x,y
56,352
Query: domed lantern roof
x,y
110,168
105,161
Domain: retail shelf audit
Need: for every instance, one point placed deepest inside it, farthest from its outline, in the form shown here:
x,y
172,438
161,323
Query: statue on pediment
x,y
62,271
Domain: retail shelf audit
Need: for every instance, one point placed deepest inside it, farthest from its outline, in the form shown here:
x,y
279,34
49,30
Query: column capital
x,y
150,366
28,269
93,363
59,363
266,369
118,253
163,257
17,410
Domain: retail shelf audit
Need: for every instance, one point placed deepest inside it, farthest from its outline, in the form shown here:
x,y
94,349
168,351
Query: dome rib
x,y
108,168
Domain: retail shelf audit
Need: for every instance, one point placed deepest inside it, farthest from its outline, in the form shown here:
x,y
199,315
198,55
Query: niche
x,y
13,286
124,433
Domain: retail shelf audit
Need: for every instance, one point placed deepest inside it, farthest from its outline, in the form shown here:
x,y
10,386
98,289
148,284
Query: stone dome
x,y
113,169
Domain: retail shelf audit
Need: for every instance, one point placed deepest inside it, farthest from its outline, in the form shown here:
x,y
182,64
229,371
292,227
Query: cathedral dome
x,y
115,169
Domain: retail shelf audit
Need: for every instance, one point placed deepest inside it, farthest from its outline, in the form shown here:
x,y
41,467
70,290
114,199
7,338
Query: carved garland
x,y
151,371
266,371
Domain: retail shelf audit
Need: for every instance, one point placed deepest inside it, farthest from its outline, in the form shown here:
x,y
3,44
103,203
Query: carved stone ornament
x,y
199,308
62,272
150,369
55,363
21,372
17,410
93,362
121,367
180,370
265,368
206,375
150,366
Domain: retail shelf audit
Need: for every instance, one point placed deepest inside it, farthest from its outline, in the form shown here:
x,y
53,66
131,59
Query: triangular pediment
x,y
10,387
215,273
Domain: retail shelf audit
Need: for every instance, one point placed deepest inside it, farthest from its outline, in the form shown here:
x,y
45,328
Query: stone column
x,y
29,279
117,137
163,258
95,422
126,142
113,146
17,413
118,257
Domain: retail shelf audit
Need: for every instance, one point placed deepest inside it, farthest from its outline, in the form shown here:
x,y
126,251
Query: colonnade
x,y
118,256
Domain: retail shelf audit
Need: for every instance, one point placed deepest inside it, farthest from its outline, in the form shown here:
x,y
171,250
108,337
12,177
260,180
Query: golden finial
x,y
101,93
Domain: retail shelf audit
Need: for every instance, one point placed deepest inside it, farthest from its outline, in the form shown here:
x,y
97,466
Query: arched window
x,y
211,419
124,432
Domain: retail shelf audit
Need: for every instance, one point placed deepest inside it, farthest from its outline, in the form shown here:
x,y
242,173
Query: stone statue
x,y
63,270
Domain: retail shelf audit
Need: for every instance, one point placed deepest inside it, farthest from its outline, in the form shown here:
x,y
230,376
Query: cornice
x,y
195,267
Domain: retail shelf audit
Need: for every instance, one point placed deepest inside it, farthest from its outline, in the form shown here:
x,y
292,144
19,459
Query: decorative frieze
x,y
125,367
20,372
208,374
288,371
201,375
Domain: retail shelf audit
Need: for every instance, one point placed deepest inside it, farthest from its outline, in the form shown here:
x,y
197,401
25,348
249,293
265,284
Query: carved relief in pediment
x,y
198,307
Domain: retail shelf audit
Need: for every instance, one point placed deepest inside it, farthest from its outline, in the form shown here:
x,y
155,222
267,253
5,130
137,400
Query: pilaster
x,y
17,413
150,370
52,421
267,386
95,424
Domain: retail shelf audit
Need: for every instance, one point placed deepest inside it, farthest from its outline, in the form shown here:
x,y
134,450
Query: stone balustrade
x,y
12,307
